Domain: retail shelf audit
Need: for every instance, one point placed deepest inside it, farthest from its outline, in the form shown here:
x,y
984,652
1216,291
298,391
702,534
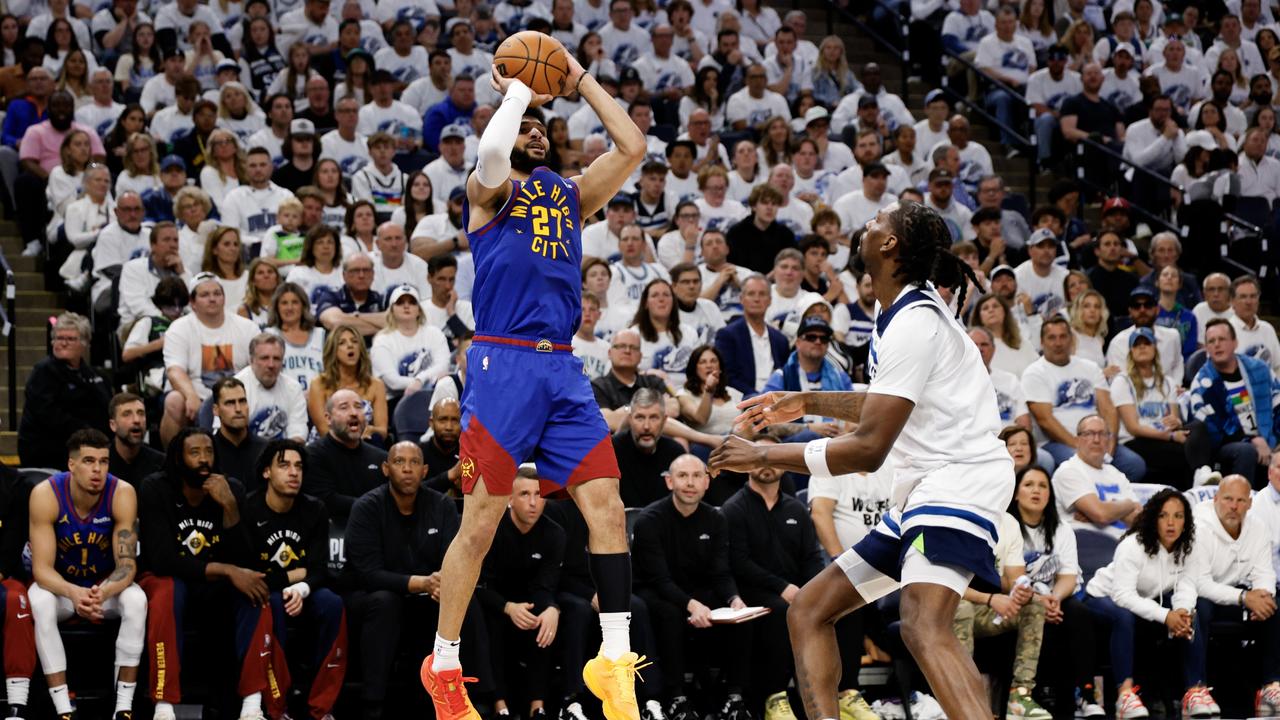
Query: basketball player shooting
x,y
931,404
527,397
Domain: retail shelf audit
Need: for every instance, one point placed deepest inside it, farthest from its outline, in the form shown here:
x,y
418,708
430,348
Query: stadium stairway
x,y
34,307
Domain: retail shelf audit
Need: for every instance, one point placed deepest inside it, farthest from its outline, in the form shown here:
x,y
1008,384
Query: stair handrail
x,y
1182,231
902,51
10,314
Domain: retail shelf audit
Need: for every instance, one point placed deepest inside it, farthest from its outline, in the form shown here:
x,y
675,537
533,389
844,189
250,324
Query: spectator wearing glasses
x,y
1143,311
63,394
355,303
808,368
1091,493
613,391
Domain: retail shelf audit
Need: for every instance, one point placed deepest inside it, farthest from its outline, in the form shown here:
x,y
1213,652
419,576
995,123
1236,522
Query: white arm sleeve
x,y
493,157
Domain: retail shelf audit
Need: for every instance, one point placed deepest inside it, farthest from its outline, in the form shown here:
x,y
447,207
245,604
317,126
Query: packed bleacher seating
x,y
252,212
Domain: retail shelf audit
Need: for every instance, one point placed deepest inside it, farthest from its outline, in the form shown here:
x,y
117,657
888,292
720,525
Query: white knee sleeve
x,y
131,605
46,612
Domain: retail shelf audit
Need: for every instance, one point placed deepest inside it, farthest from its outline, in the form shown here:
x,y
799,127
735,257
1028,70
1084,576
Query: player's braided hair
x,y
925,254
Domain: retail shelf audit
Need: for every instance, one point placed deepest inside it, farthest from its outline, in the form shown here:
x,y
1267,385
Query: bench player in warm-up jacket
x,y
18,630
84,550
527,397
191,532
289,544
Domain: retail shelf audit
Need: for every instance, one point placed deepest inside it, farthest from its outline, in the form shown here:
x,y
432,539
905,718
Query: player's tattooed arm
x,y
124,541
839,405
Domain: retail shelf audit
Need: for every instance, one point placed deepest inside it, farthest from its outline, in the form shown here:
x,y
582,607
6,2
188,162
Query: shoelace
x,y
778,702
454,694
630,671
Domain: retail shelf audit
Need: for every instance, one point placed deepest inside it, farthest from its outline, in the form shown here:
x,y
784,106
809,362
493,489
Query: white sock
x,y
252,705
61,699
17,690
124,695
616,629
163,707
446,654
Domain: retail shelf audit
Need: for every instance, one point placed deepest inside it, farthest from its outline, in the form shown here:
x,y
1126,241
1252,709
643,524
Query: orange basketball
x,y
535,59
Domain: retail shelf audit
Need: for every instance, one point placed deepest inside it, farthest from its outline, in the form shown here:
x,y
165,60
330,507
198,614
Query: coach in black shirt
x,y
344,466
773,552
681,558
236,448
517,591
131,460
395,543
440,453
643,453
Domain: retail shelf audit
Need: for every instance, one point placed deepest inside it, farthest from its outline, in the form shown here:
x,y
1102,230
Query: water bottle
x,y
1022,581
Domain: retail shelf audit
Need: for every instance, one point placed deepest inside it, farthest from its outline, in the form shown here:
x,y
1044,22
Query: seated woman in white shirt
x,y
141,166
408,354
224,257
1088,315
191,207
321,263
224,165
290,318
745,173
1150,588
1013,352
1049,548
1150,421
707,404
1210,130
66,179
665,344
264,278
85,218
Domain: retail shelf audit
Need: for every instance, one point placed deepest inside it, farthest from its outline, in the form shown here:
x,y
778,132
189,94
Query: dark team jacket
x,y
384,548
280,542
179,539
575,568
337,474
681,558
14,522
770,549
522,568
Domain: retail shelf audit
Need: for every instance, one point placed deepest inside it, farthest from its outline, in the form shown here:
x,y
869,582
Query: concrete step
x,y
28,355
38,299
4,396
9,442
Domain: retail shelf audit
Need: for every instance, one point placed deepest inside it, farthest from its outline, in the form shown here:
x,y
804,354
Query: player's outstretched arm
x,y
606,176
863,450
490,184
773,408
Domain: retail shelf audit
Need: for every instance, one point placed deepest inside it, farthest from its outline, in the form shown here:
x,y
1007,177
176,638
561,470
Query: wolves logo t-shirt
x,y
1069,389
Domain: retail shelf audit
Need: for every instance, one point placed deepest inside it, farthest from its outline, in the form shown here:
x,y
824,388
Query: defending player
x,y
84,549
931,403
527,397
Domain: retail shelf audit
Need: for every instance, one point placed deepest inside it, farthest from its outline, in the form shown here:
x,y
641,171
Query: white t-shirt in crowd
x,y
208,354
594,354
1075,478
1155,404
862,499
303,362
1070,390
279,411
399,359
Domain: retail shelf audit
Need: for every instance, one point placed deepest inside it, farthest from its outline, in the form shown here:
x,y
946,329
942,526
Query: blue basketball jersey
x,y
83,554
528,262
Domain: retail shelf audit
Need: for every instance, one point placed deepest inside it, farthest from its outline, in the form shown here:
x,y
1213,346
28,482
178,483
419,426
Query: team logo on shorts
x,y
544,345
468,468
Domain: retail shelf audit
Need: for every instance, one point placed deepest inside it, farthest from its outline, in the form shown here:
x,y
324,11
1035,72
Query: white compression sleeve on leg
x,y
493,156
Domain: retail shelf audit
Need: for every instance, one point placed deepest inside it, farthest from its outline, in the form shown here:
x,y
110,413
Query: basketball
x,y
535,59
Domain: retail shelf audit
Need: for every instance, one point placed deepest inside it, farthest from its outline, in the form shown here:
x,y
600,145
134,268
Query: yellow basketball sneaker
x,y
614,683
448,692
854,707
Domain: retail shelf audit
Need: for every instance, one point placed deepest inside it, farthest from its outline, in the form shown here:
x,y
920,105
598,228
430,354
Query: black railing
x,y
958,99
1091,145
880,40
11,336
1231,225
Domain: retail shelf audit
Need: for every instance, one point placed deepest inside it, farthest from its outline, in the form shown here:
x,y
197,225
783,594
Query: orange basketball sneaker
x,y
614,683
448,692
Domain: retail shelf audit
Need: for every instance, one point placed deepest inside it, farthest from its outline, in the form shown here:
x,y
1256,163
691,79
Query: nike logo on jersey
x,y
704,536
262,522
23,615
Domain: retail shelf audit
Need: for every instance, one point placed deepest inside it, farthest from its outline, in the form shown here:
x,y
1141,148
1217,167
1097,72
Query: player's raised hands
x,y
502,84
768,409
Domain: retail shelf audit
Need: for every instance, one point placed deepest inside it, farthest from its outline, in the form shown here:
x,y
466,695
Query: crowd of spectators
x,y
257,209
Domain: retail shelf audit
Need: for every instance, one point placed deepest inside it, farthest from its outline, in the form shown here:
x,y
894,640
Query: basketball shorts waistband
x,y
540,345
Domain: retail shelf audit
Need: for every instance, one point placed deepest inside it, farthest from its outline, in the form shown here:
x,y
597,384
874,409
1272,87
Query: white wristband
x,y
815,457
300,588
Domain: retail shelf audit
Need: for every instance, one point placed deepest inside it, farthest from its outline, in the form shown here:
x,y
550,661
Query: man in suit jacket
x,y
746,340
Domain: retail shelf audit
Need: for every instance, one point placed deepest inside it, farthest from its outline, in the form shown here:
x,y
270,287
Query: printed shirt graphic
x,y
1241,402
216,362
